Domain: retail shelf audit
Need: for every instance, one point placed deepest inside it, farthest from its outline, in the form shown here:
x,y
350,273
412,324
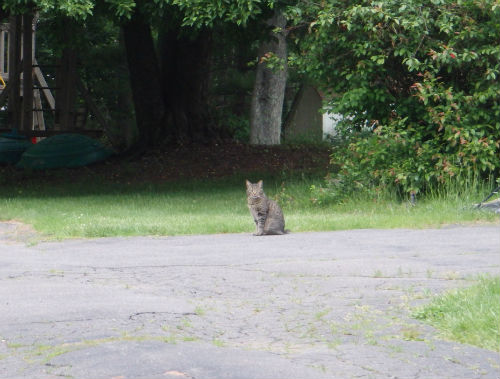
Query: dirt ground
x,y
192,161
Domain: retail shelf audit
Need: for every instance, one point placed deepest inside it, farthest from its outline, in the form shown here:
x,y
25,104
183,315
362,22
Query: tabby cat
x,y
266,213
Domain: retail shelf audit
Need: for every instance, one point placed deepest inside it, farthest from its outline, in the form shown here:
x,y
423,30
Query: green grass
x,y
470,315
96,208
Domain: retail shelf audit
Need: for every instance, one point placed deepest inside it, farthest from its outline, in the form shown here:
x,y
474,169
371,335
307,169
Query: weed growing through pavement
x,y
468,315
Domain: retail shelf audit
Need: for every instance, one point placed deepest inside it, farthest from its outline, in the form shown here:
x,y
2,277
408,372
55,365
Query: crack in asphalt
x,y
135,315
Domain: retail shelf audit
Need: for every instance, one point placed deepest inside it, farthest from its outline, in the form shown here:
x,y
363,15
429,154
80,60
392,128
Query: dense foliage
x,y
416,82
196,12
150,64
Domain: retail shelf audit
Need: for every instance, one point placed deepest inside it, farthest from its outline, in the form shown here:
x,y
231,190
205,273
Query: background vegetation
x,y
415,83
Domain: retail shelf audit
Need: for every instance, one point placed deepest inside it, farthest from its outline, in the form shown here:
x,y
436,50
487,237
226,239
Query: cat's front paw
x,y
259,234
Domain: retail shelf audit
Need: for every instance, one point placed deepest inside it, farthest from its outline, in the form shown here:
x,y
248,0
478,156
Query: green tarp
x,y
11,148
64,150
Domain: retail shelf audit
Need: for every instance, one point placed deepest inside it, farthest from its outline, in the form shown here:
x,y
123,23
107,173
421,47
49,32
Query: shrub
x,y
417,85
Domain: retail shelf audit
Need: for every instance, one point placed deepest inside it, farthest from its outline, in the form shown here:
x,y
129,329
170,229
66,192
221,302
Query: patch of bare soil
x,y
228,159
16,232
192,161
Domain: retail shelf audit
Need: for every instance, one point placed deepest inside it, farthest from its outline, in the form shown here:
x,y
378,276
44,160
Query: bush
x,y
417,85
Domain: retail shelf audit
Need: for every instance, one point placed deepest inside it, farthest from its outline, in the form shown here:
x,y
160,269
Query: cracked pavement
x,y
302,305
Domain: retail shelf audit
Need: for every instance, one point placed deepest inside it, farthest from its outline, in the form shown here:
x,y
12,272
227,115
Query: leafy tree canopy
x,y
196,12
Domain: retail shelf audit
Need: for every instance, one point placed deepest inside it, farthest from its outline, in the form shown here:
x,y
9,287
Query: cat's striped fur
x,y
266,213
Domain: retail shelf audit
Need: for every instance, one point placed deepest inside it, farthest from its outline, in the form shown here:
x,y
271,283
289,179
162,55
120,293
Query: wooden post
x,y
66,76
3,63
66,90
38,120
14,105
27,72
45,86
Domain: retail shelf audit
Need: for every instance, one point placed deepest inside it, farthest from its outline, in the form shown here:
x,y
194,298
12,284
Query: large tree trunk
x,y
185,58
144,81
269,89
125,134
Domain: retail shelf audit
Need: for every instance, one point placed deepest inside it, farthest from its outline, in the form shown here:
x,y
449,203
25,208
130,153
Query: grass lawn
x,y
98,208
469,315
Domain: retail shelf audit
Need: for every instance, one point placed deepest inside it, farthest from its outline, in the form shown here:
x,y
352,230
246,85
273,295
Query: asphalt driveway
x,y
303,305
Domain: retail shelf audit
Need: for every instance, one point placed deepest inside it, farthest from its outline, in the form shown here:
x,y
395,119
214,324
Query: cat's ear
x,y
260,184
248,183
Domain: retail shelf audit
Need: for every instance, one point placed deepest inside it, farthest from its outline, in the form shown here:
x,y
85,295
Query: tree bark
x,y
144,81
185,62
269,88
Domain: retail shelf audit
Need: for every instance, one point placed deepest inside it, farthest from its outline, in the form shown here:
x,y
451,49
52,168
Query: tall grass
x,y
100,208
470,315
466,186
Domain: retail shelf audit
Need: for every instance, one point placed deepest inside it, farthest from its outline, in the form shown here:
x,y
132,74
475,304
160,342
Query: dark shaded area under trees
x,y
170,88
